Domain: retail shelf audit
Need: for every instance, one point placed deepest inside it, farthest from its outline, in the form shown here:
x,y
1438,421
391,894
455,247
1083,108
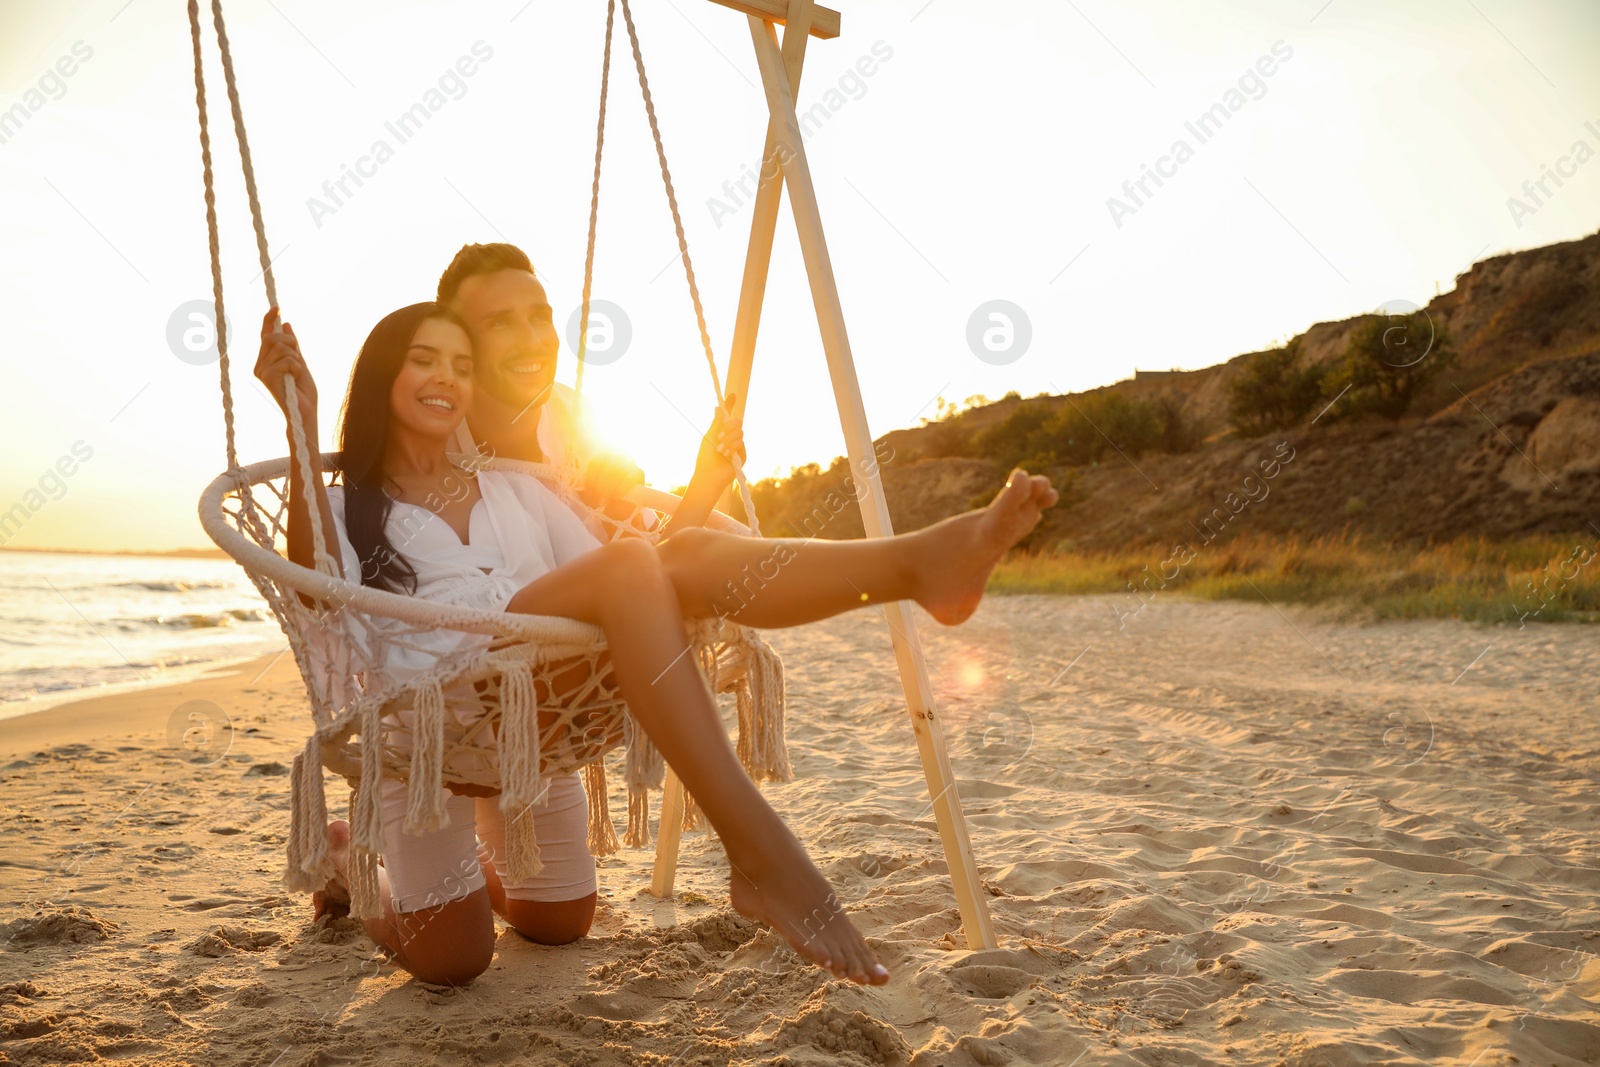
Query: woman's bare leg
x,y
778,582
638,596
624,588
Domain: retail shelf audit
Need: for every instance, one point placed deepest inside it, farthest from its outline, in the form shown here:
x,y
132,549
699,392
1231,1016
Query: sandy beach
x,y
1211,832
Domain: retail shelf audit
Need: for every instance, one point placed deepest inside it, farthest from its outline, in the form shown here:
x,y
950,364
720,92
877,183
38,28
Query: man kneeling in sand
x,y
520,412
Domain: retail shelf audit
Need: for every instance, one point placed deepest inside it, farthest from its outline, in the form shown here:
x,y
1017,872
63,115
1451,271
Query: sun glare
x,y
970,673
610,428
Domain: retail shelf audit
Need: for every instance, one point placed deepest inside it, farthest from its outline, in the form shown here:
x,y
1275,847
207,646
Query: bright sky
x,y
974,163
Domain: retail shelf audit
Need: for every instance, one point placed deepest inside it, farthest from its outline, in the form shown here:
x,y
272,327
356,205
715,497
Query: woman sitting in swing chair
x,y
409,390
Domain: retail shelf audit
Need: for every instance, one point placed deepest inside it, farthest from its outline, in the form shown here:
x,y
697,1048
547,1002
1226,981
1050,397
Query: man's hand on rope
x,y
280,356
722,447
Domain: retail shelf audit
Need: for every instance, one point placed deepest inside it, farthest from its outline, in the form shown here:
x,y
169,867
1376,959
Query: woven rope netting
x,y
522,698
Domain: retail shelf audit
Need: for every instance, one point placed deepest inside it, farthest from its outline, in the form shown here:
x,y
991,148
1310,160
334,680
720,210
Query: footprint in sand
x,y
995,974
226,940
240,906
868,864
989,982
169,852
209,903
76,751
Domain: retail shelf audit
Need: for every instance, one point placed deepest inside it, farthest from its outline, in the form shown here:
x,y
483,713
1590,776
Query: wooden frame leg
x,y
666,866
946,802
764,217
763,228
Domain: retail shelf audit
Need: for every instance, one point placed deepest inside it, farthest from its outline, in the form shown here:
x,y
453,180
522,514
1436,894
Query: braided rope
x,y
594,195
308,480
211,231
324,560
244,154
683,249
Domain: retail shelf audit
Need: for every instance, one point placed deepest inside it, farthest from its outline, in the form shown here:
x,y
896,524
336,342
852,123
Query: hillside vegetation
x,y
1402,445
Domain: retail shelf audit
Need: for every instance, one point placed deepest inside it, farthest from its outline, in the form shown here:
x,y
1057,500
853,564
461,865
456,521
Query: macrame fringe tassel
x,y
643,770
520,771
366,819
643,767
425,807
307,868
638,832
522,845
521,775
602,835
694,818
763,748
705,638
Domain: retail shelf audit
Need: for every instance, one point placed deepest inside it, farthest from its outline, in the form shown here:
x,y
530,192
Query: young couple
x,y
406,519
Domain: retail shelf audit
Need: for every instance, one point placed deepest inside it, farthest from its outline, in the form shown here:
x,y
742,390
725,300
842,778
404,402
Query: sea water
x,y
71,623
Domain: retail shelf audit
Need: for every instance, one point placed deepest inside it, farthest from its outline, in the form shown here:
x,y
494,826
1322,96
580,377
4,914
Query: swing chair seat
x,y
534,698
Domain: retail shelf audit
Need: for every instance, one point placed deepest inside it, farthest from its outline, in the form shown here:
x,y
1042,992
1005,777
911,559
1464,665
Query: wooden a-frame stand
x,y
784,161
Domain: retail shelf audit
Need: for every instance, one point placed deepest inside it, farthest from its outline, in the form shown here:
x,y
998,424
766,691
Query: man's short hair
x,y
474,260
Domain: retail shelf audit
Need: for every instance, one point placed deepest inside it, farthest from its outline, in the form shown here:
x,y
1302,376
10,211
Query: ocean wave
x,y
49,682
201,621
170,587
194,620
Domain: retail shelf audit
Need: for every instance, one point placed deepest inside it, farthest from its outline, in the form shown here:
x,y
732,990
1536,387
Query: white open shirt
x,y
518,531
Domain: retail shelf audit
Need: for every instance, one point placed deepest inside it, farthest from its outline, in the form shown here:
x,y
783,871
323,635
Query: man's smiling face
x,y
514,338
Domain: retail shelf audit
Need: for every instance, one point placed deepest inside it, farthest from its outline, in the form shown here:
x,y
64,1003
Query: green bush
x,y
1020,439
1102,423
1179,433
1085,430
1387,362
947,437
1272,391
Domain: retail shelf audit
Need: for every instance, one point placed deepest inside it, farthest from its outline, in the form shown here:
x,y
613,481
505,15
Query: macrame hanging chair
x,y
531,696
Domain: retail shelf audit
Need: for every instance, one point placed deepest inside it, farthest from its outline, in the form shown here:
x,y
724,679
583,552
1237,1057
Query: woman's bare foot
x,y
334,898
959,553
778,884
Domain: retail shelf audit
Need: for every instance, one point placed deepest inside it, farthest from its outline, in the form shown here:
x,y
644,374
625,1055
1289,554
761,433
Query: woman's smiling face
x,y
433,390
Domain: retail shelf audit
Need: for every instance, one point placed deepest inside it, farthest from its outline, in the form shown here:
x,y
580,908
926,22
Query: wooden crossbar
x,y
824,20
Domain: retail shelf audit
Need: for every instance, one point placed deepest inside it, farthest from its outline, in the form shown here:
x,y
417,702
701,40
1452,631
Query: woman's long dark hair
x,y
364,437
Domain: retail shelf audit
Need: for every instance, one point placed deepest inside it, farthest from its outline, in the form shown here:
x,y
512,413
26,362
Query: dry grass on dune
x,y
1540,578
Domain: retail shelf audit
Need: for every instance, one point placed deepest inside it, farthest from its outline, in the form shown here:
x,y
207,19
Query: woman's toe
x,y
863,973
